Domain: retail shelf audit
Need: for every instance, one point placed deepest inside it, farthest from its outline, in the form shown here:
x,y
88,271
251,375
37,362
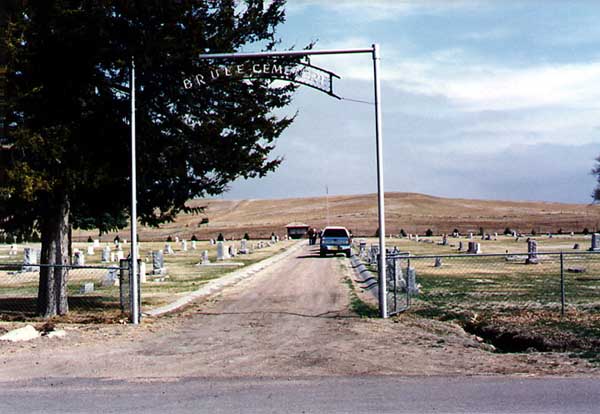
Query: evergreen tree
x,y
68,86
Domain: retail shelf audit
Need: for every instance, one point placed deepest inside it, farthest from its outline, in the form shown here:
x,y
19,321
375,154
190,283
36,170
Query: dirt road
x,y
290,320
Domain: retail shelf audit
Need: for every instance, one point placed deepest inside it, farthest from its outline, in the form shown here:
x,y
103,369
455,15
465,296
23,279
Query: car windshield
x,y
335,233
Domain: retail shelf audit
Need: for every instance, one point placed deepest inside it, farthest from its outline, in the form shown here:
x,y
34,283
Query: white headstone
x,y
220,251
111,278
205,259
176,239
96,243
168,249
142,270
90,250
193,244
86,288
29,258
232,251
184,245
244,246
120,255
106,254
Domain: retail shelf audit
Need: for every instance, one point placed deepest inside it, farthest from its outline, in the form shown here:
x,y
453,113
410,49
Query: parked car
x,y
335,240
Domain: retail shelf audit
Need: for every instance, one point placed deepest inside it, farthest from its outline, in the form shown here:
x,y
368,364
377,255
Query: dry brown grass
x,y
415,213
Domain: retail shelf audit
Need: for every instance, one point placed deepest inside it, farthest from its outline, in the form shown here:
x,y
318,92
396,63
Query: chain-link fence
x,y
92,290
551,281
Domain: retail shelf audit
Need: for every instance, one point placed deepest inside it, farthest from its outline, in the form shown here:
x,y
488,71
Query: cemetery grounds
x,y
512,305
184,274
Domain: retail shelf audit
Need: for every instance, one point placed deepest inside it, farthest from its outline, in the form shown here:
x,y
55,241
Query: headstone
x,y
576,246
96,243
416,237
455,234
460,246
120,255
158,262
13,250
474,248
444,240
78,259
106,254
532,257
244,246
495,236
184,245
168,249
413,289
124,241
362,246
111,278
29,258
86,288
205,259
212,242
572,234
176,239
220,251
232,251
470,236
112,256
514,233
90,250
595,242
142,271
438,262
193,244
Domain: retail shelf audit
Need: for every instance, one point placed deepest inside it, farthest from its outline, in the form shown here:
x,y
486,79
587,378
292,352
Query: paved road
x,y
310,395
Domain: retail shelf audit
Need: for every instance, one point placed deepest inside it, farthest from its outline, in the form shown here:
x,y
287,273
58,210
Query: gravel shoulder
x,y
291,319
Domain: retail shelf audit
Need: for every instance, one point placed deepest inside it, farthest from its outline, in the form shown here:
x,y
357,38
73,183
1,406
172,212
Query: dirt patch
x,y
292,320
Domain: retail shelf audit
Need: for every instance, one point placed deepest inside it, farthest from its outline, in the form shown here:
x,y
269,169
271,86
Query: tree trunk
x,y
52,291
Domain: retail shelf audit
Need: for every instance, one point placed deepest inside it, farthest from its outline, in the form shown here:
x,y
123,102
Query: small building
x,y
296,230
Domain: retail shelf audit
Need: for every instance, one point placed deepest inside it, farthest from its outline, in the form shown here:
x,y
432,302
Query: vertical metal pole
x,y
562,285
135,312
380,191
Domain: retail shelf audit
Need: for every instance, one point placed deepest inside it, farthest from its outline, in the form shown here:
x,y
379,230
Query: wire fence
x,y
91,289
556,281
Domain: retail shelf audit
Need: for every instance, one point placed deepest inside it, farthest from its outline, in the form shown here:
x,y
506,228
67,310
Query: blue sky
x,y
481,99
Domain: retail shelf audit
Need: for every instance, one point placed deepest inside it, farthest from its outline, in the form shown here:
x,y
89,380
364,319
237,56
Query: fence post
x,y
407,290
562,285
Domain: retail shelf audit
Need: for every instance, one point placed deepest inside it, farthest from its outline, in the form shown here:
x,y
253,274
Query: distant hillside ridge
x,y
411,212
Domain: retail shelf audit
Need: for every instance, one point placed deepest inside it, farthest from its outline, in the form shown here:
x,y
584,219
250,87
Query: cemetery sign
x,y
298,72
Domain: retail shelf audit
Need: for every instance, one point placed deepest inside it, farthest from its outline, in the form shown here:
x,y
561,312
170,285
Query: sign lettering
x,y
301,73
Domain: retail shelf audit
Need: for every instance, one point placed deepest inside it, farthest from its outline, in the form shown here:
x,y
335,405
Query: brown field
x,y
415,213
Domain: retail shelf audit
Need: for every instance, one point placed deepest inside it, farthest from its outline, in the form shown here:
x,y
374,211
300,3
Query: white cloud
x,y
474,85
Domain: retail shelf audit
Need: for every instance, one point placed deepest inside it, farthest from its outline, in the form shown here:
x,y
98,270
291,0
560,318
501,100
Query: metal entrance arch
x,y
374,51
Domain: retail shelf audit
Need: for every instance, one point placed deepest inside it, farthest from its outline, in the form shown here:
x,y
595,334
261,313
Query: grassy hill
x,y
415,213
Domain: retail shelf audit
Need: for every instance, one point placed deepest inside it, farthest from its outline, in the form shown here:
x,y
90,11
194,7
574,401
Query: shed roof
x,y
296,224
